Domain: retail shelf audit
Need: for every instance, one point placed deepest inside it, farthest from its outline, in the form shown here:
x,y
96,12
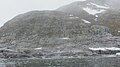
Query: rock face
x,y
46,28
61,32
100,12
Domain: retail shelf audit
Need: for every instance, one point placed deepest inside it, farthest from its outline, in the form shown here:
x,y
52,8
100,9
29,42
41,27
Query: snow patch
x,y
86,21
96,19
93,12
99,6
74,17
96,15
105,48
118,31
71,15
65,38
97,49
38,48
118,54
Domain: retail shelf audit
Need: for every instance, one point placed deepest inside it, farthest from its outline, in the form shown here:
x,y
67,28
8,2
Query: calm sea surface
x,y
70,62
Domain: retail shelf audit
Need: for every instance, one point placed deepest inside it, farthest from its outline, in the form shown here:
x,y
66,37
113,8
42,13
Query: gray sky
x,y
11,8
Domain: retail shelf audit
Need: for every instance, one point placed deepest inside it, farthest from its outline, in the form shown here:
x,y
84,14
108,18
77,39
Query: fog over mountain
x,y
21,6
11,8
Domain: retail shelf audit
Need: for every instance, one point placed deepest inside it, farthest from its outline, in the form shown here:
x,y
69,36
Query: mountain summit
x,y
97,12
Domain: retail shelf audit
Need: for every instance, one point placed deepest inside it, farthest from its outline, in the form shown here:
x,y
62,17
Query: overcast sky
x,y
11,8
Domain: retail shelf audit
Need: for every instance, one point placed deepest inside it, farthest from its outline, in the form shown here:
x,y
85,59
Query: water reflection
x,y
7,65
73,62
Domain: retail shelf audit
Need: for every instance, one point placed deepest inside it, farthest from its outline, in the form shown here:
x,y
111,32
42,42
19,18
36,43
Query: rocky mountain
x,y
88,10
95,12
68,30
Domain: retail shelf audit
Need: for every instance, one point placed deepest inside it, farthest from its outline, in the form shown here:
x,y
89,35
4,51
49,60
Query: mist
x,y
11,8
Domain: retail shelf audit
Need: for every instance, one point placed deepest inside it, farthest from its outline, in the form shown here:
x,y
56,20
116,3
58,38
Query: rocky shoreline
x,y
8,53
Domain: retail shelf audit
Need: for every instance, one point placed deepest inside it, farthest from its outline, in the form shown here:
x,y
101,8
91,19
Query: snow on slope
x,y
105,48
38,48
65,38
99,6
93,12
118,31
73,17
86,21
